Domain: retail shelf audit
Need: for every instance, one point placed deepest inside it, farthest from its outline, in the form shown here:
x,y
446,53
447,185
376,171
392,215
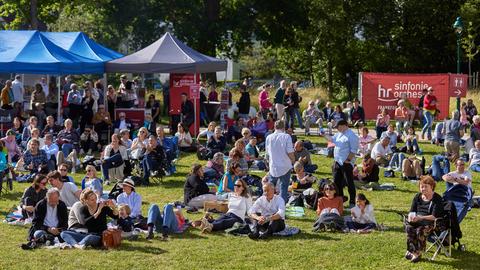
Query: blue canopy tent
x,y
34,52
31,52
80,44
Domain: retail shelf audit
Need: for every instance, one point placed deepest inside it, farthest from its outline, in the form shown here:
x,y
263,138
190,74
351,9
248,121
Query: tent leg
x,y
59,106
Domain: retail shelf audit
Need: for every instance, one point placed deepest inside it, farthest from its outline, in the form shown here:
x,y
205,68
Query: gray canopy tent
x,y
167,55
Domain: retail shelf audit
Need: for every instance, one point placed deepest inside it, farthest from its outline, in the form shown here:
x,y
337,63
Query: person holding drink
x,y
427,205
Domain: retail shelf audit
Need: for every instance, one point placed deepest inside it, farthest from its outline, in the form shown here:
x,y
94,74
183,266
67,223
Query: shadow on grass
x,y
126,246
190,234
460,259
327,236
172,184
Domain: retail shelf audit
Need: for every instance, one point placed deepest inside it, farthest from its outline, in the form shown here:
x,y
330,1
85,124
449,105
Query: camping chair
x,y
445,234
5,178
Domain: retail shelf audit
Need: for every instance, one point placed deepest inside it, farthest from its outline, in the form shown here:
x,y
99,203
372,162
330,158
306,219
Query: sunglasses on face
x,y
238,185
63,170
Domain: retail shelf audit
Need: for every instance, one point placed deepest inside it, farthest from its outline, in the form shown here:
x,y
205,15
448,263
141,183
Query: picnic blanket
x,y
295,212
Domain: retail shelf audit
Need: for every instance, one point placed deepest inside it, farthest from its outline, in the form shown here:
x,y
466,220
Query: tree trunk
x,y
330,79
34,14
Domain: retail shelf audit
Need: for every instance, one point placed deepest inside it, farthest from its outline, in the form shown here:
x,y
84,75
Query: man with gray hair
x,y
268,213
50,218
280,152
453,130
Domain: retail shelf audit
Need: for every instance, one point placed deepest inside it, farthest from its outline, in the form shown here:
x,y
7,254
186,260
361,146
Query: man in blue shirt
x,y
346,146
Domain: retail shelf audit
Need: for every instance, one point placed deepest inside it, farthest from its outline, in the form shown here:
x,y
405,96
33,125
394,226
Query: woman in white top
x,y
184,139
209,132
139,144
238,204
363,218
114,157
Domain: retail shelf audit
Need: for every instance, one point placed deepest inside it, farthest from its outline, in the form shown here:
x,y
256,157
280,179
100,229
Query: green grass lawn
x,y
193,250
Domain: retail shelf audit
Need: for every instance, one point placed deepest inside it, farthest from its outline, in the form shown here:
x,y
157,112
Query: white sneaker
x,y
27,221
77,246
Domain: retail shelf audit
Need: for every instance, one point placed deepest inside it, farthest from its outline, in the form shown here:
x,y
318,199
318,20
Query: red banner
x,y
383,90
184,83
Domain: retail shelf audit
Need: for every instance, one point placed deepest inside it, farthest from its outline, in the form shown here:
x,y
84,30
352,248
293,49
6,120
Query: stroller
x,y
461,197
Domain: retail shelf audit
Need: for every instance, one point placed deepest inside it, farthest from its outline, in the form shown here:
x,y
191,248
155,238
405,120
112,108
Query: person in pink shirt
x,y
263,100
365,141
14,152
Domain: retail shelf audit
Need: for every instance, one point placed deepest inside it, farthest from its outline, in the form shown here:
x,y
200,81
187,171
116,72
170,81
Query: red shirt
x,y
430,102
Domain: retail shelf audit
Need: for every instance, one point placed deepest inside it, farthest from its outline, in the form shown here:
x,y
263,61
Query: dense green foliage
x,y
317,40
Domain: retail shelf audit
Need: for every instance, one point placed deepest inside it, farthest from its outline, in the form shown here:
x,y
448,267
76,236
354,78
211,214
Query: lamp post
x,y
458,27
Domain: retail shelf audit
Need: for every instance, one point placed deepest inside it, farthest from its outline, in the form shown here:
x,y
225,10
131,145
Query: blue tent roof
x,y
32,52
79,43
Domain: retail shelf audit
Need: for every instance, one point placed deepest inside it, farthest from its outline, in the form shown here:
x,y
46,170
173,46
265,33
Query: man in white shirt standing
x,y
281,156
268,214
18,90
44,84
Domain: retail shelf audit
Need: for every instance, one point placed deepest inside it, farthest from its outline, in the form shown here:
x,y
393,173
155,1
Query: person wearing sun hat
x,y
130,198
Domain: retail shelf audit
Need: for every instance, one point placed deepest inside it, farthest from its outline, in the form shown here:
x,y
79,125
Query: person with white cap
x,y
130,198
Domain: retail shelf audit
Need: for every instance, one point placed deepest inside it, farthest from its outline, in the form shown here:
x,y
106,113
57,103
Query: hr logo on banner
x,y
401,90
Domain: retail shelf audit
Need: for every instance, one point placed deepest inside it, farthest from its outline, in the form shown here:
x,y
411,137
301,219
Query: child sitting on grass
x,y
125,222
363,219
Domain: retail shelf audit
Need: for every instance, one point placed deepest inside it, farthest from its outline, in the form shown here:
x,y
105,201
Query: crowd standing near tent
x,y
44,146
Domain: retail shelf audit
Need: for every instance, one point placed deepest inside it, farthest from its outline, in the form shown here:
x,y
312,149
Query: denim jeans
x,y
225,221
74,238
289,118
67,148
397,160
428,124
412,146
283,182
299,117
148,164
440,166
111,162
166,223
39,234
475,167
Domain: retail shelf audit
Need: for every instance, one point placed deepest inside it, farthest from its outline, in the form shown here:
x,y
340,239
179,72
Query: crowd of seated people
x,y
44,147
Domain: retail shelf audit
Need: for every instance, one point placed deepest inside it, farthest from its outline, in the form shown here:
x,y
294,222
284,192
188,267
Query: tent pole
x,y
195,106
59,106
105,89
